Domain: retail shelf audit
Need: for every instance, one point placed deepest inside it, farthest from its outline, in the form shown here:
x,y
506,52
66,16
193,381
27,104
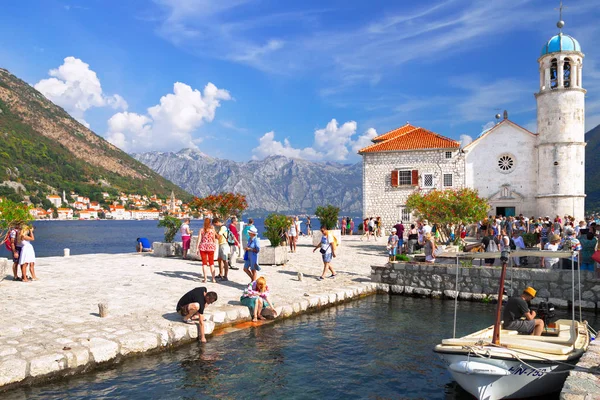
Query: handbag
x,y
596,256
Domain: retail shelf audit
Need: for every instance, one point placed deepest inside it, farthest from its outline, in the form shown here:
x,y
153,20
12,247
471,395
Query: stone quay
x,y
51,328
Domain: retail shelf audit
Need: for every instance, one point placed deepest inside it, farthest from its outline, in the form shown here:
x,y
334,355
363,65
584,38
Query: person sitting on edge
x,y
255,297
143,245
191,307
517,308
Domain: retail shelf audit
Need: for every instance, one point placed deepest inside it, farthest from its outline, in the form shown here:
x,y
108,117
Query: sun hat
x,y
555,238
253,230
530,291
393,229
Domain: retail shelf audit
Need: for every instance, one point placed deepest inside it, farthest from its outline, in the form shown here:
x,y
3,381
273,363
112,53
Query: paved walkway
x,y
52,325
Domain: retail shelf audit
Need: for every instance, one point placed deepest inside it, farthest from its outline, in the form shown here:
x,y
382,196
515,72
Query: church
x,y
520,172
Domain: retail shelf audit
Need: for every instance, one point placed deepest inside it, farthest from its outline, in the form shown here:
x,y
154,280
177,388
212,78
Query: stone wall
x,y
477,283
381,199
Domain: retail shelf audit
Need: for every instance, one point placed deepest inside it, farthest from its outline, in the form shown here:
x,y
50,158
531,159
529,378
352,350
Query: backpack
x,y
230,238
512,244
7,241
492,247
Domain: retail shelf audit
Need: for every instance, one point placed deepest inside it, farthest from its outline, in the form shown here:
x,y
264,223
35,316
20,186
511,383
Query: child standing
x,y
392,245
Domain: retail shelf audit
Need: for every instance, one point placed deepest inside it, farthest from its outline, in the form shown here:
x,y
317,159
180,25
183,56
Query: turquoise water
x,y
374,348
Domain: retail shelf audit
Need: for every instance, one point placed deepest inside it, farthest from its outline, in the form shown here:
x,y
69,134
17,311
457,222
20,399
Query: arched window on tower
x,y
553,74
567,73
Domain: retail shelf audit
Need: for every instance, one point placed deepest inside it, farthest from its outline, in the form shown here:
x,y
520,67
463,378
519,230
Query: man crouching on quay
x,y
518,317
191,307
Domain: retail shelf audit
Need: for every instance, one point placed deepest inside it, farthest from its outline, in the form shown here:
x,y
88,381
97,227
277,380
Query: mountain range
x,y
44,150
276,183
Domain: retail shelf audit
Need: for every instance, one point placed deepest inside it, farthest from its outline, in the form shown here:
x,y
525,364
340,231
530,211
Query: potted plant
x,y
168,248
276,226
328,217
530,239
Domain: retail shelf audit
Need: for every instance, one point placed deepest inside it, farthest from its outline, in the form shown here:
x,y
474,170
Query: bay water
x,y
379,347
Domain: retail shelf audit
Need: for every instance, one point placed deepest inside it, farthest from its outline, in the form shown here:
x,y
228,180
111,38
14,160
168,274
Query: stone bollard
x,y
67,252
103,310
300,276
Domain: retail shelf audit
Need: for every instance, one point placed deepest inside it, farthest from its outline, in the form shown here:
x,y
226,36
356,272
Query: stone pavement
x,y
52,328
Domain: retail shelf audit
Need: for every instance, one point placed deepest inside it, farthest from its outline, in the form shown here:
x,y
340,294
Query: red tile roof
x,y
404,138
394,133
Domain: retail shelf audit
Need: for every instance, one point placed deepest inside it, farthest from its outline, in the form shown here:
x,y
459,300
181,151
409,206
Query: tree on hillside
x,y
222,205
443,207
12,213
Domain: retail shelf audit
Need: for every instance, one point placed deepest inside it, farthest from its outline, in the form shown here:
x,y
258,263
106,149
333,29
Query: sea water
x,y
374,348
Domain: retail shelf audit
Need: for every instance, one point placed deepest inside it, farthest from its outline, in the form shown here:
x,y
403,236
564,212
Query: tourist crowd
x,y
499,234
217,237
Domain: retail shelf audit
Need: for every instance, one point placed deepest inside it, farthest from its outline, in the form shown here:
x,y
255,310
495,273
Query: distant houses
x,y
120,207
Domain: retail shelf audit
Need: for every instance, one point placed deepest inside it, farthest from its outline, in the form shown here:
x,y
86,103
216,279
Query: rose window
x,y
506,163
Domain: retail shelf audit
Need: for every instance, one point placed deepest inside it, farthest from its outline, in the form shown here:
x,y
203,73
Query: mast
x,y
496,333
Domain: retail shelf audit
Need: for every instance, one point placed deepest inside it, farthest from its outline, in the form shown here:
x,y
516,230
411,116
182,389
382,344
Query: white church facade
x,y
518,171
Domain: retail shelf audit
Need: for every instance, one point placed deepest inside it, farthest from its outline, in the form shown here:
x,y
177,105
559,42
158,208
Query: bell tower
x,y
561,128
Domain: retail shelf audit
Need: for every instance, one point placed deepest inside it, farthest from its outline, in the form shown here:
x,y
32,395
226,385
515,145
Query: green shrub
x,y
275,226
402,257
530,239
328,216
171,225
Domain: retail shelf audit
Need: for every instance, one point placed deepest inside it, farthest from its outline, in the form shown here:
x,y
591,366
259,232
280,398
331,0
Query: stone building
x,y
518,171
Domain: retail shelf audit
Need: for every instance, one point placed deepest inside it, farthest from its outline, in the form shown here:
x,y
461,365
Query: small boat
x,y
495,363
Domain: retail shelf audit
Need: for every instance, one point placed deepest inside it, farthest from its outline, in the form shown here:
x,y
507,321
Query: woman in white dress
x,y
27,258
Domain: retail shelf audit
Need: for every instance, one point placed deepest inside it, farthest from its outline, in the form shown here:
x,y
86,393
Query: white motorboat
x,y
494,363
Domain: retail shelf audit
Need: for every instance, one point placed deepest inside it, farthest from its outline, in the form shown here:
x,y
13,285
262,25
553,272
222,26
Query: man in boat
x,y
191,307
518,317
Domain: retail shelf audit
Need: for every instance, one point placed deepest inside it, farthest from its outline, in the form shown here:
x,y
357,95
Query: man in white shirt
x,y
519,245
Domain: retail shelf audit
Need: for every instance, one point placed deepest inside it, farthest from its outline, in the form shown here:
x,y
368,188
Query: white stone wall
x,y
561,152
381,199
484,174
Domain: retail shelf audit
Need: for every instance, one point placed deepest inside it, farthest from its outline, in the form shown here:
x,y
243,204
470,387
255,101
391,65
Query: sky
x,y
245,79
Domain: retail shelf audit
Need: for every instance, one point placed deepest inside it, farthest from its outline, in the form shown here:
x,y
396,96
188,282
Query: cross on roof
x,y
560,11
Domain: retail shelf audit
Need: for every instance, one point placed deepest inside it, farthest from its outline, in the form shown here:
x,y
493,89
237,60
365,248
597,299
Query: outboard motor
x,y
545,312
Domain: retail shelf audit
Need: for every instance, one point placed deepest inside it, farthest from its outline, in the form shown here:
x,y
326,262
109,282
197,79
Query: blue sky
x,y
243,79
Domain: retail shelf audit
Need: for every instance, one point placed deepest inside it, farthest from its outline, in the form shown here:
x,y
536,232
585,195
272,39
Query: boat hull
x,y
494,378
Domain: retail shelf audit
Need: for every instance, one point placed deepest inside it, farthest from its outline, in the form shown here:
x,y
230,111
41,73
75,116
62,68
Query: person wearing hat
x,y
518,317
252,249
552,246
392,245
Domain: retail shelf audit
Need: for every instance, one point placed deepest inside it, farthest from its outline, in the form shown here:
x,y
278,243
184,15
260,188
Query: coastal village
x,y
122,207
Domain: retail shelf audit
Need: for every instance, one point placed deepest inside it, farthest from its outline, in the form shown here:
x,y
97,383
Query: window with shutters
x,y
447,180
427,180
404,178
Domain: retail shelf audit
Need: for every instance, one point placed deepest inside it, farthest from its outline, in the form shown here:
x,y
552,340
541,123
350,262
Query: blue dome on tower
x,y
561,42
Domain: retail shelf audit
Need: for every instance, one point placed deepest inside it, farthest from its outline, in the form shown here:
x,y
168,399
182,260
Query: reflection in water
x,y
374,348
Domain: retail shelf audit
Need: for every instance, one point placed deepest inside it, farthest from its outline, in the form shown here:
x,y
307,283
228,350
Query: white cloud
x,y
268,146
488,125
364,140
170,124
334,142
465,140
76,88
